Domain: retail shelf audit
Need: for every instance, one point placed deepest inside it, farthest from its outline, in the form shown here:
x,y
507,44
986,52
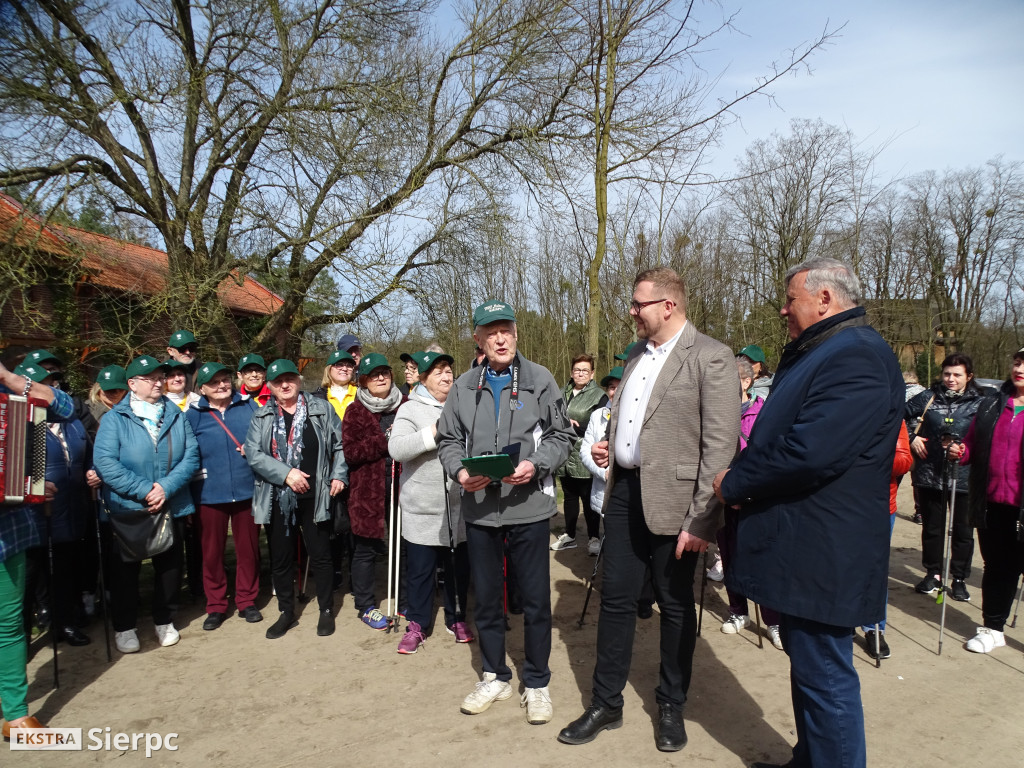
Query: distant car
x,y
990,386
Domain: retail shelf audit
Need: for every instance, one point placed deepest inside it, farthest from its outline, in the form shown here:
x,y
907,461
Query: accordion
x,y
22,449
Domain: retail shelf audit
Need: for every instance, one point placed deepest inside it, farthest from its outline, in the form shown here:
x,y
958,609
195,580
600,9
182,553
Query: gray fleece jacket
x,y
536,426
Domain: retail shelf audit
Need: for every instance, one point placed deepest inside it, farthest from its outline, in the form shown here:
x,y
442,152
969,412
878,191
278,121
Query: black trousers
x,y
629,548
1003,553
283,550
124,584
933,534
528,552
576,492
423,562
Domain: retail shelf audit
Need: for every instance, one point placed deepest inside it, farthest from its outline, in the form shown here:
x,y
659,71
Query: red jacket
x,y
366,453
900,466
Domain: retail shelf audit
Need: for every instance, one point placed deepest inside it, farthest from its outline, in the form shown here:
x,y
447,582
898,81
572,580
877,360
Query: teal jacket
x,y
129,463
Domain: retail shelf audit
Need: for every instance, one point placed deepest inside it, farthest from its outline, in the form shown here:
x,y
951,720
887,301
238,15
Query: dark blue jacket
x,y
69,510
813,483
226,474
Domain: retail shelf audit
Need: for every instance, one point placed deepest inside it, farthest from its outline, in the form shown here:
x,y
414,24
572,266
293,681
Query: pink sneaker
x,y
412,639
461,632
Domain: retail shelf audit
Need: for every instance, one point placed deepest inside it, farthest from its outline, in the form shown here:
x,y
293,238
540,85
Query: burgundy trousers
x,y
215,519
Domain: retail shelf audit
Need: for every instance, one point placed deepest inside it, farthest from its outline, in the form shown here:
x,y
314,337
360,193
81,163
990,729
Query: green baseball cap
x,y
112,377
340,356
35,372
371,362
615,374
252,359
625,353
180,339
170,363
409,357
143,365
279,367
426,360
207,372
754,353
491,311
37,356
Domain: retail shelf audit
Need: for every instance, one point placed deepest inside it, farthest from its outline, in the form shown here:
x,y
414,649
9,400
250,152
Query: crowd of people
x,y
163,457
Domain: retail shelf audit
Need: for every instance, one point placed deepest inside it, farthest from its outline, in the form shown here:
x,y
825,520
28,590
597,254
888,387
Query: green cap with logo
x,y
280,367
340,356
143,365
207,372
170,364
112,377
252,359
426,360
491,311
37,356
625,353
180,339
615,374
371,362
754,353
35,372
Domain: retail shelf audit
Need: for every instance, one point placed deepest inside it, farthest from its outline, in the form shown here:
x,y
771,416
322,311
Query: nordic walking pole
x,y
102,583
590,586
703,586
48,511
878,645
451,542
1017,607
394,543
952,477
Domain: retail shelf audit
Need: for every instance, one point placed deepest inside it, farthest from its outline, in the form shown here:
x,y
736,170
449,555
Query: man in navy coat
x,y
813,492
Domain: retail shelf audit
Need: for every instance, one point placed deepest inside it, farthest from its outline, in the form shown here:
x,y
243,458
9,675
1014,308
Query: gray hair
x,y
744,368
837,276
435,348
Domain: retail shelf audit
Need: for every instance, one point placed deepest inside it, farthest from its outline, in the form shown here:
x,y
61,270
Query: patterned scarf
x,y
150,413
292,454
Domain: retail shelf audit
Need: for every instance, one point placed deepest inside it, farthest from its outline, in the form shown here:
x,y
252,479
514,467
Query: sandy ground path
x,y
237,699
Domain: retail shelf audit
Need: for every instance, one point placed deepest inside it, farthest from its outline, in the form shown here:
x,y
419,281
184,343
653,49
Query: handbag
x,y
141,534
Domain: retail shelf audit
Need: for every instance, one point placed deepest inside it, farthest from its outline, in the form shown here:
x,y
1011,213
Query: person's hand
x,y
297,480
955,451
49,490
241,449
472,483
337,487
716,484
920,447
92,479
156,498
524,473
690,543
574,423
599,452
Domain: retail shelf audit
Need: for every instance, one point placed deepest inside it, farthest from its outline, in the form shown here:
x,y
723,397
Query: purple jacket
x,y
1004,461
747,419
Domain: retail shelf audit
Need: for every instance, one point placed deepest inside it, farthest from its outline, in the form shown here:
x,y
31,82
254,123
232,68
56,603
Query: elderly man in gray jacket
x,y
674,425
507,406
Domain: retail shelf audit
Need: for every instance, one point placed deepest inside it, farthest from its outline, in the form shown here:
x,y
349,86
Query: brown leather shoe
x,y
28,722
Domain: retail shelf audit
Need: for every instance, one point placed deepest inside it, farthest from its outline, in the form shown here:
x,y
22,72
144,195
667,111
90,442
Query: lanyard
x,y
513,403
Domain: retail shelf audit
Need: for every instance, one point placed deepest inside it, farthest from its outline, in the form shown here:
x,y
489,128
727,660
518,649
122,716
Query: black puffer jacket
x,y
945,414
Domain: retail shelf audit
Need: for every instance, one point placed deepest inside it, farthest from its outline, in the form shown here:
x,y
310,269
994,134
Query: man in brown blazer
x,y
674,426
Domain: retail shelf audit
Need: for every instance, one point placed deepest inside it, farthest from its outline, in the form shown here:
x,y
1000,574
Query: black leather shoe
x,y
73,636
213,621
278,629
251,614
586,727
325,626
772,765
644,610
671,736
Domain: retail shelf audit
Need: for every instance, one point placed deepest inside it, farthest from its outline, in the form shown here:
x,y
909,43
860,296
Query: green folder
x,y
494,466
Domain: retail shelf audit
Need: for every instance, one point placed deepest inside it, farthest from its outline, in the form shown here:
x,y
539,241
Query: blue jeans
x,y
419,582
826,695
881,624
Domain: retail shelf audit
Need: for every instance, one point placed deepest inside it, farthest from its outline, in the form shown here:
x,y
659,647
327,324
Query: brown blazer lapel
x,y
675,361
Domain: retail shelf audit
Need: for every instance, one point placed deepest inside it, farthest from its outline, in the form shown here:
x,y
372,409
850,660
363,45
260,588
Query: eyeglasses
x,y
379,375
581,370
151,380
636,306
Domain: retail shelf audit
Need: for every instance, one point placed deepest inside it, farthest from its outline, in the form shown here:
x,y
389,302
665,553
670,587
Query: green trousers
x,y
13,647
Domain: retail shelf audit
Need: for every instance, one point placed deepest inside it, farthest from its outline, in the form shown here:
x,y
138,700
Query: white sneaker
x,y
774,636
563,542
716,572
127,641
538,705
486,692
734,624
986,640
594,546
167,635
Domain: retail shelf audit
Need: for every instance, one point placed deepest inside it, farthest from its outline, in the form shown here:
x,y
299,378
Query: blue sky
x,y
942,81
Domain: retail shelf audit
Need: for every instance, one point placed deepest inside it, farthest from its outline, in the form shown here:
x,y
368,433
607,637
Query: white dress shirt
x,y
633,396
